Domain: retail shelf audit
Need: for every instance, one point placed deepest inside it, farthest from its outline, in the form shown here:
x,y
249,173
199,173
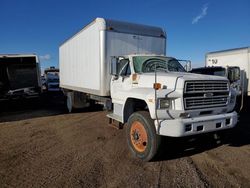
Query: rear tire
x,y
142,139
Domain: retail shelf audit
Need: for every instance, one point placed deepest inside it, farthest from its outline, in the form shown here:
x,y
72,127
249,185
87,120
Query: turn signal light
x,y
134,77
157,86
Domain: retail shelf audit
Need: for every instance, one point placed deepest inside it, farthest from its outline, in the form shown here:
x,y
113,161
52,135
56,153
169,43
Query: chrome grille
x,y
194,87
205,94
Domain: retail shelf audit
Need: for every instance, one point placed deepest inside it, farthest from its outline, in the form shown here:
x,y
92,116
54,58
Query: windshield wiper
x,y
165,70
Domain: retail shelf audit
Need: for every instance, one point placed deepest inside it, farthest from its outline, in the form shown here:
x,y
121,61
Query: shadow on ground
x,y
46,105
172,148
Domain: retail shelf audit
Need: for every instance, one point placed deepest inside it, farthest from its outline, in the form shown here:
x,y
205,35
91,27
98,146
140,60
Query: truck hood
x,y
168,79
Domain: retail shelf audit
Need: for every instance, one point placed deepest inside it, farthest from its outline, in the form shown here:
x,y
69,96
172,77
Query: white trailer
x,y
87,54
124,65
239,57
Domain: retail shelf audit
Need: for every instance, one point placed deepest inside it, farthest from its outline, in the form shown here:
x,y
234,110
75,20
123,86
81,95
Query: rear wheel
x,y
141,136
69,102
76,100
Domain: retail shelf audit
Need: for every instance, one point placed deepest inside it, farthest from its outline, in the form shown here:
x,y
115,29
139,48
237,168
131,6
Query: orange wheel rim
x,y
138,136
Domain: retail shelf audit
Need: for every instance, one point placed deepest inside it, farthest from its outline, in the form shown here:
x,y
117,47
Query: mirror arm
x,y
115,77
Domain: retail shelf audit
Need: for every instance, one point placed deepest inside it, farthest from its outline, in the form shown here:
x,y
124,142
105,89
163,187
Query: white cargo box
x,y
84,58
233,57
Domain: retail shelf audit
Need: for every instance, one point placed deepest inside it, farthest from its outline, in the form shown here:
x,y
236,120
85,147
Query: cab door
x,y
122,83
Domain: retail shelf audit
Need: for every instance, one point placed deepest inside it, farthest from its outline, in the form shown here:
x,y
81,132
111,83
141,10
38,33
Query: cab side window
x,y
125,71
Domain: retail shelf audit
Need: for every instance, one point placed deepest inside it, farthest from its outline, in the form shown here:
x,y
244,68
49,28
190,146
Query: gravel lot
x,y
43,146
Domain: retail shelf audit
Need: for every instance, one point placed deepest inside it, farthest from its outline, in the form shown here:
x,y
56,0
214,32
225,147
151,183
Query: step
x,y
115,117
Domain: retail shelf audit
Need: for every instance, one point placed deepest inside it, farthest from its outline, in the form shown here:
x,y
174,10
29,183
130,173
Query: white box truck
x,y
231,60
19,76
124,66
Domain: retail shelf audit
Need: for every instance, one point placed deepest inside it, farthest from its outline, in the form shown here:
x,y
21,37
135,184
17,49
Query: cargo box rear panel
x,y
17,73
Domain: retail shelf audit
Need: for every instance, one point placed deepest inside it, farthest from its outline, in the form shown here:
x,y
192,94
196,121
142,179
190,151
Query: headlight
x,y
164,103
235,85
232,98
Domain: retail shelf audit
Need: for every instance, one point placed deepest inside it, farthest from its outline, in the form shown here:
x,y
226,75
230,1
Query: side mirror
x,y
114,66
187,65
233,74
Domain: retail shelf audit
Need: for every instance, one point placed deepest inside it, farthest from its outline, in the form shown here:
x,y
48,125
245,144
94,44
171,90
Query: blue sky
x,y
193,27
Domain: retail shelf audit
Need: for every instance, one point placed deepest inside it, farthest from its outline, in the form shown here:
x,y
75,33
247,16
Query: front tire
x,y
141,136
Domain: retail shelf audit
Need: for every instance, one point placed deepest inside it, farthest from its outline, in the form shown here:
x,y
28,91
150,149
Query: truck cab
x,y
51,76
232,73
176,102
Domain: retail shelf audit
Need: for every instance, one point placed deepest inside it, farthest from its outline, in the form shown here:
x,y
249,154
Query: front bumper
x,y
197,125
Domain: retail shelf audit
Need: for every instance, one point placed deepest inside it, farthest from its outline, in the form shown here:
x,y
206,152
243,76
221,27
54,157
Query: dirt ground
x,y
43,146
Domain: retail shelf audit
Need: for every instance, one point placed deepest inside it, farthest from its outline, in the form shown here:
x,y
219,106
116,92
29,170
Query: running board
x,y
115,117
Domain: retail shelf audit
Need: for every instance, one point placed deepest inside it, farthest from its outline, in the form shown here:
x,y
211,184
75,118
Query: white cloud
x,y
45,57
201,15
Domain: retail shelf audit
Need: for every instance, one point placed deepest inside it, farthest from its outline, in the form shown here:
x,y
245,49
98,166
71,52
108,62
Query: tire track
x,y
202,177
158,183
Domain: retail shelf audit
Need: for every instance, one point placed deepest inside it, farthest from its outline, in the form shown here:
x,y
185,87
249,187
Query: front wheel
x,y
141,136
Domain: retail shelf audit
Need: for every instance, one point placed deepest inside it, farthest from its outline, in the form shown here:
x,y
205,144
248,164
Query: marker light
x,y
134,77
157,86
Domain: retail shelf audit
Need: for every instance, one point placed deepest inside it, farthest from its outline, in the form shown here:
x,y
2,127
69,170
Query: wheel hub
x,y
138,135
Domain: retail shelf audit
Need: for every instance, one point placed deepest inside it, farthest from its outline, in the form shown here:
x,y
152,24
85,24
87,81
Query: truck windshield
x,y
216,71
146,64
53,80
